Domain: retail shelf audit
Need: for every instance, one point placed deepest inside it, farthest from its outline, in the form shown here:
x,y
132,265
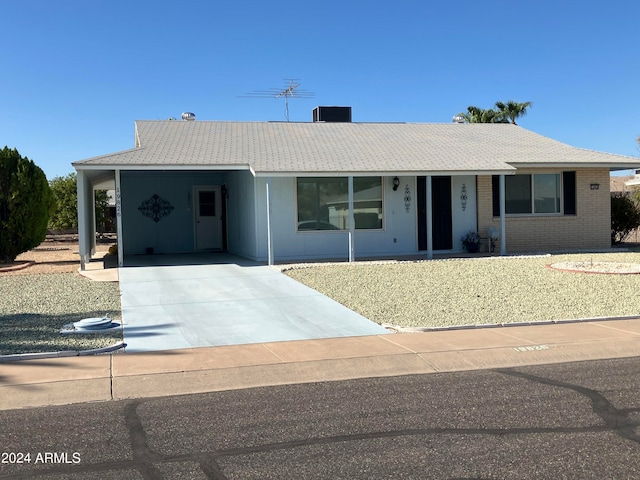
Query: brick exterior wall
x,y
589,229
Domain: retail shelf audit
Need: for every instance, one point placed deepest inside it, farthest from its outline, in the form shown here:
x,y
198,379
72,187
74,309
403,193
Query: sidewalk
x,y
59,381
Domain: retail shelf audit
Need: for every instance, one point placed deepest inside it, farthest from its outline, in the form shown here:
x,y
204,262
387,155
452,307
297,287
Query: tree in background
x,y
65,212
480,115
25,205
505,112
65,197
512,110
102,207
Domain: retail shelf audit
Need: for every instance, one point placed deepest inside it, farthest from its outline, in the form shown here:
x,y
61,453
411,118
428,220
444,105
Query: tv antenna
x,y
288,91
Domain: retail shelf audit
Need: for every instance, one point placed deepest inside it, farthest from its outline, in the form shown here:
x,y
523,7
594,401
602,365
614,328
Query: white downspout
x,y
269,234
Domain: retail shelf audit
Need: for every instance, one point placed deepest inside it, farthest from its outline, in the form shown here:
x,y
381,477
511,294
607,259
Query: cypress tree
x,y
25,205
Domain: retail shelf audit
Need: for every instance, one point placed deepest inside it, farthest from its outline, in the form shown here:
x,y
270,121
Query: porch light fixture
x,y
396,183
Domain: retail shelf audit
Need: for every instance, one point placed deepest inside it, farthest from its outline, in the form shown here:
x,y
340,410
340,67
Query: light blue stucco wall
x,y
465,212
241,214
173,233
397,237
246,217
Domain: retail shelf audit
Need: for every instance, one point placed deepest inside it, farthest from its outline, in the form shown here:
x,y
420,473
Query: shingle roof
x,y
280,148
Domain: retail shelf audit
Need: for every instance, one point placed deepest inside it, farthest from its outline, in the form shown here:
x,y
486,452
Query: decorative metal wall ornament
x,y
407,198
464,197
155,208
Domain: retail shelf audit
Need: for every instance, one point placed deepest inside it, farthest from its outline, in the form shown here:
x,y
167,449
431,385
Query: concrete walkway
x,y
58,381
172,302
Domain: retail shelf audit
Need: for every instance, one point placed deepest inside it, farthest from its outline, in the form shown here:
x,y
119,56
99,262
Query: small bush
x,y
625,217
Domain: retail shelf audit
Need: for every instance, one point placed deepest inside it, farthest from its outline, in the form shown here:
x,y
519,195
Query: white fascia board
x,y
395,173
610,166
156,167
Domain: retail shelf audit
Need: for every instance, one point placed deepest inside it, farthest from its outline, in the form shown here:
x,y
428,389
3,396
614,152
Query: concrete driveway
x,y
180,301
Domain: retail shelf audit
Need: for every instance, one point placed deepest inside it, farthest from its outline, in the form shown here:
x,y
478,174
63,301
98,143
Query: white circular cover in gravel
x,y
598,267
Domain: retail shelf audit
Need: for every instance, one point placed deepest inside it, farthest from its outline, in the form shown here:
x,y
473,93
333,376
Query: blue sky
x,y
76,74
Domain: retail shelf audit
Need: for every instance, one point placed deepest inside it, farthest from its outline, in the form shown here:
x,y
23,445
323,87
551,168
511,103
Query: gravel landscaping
x,y
37,301
477,291
33,309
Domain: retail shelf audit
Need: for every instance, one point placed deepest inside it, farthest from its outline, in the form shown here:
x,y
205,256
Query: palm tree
x,y
512,110
481,115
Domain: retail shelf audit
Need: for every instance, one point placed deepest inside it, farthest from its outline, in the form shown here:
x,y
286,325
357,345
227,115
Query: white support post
x,y
119,220
94,220
83,242
429,219
269,235
352,223
503,226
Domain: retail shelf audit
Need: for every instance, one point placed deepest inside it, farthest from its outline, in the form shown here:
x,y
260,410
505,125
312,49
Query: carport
x,y
197,300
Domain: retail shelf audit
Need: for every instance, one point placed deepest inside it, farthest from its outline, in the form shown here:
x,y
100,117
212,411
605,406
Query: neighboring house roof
x,y
318,148
618,184
633,181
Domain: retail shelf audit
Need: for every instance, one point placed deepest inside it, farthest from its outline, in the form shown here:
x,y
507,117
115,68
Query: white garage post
x,y
352,222
429,219
83,247
119,220
503,230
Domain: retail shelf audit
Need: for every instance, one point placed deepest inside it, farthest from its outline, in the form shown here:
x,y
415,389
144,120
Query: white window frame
x,y
560,198
345,227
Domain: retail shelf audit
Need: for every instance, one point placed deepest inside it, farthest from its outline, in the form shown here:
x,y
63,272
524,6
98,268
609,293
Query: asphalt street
x,y
573,420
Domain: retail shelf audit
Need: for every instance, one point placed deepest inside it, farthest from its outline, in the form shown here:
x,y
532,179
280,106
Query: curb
x,y
67,353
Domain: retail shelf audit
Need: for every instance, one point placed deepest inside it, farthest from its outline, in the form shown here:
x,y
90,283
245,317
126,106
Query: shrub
x,y
25,205
625,217
65,200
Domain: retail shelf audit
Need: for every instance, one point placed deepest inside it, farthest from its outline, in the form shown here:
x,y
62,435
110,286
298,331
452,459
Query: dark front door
x,y
442,216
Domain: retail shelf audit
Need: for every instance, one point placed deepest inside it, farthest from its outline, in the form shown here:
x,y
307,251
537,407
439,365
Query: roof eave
x,y
386,173
155,167
609,165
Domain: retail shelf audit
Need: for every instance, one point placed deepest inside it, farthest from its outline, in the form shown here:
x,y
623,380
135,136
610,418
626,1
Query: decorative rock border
x,y
16,266
606,268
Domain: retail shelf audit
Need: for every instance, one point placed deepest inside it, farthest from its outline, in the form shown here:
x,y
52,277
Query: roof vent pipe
x,y
188,116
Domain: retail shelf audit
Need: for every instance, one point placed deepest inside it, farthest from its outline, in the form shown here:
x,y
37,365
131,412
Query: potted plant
x,y
110,260
471,242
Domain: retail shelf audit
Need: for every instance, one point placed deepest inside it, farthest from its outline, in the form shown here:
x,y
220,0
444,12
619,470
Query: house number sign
x,y
407,198
464,197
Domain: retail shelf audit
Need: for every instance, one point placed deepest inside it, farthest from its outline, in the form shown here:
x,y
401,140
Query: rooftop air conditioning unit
x,y
332,114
